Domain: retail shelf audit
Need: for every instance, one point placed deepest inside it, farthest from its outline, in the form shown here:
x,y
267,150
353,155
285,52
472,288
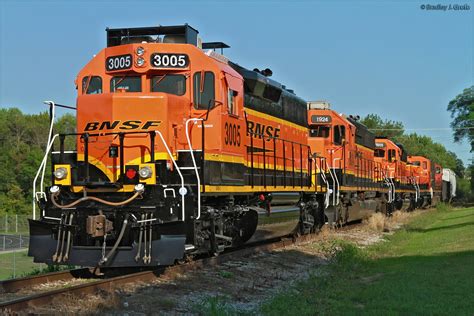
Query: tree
x,y
22,144
462,112
380,127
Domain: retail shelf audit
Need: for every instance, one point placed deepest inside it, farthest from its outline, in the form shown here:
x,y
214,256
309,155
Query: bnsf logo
x,y
258,130
125,125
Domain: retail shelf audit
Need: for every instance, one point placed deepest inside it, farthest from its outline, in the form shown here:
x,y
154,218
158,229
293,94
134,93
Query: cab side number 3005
x,y
232,134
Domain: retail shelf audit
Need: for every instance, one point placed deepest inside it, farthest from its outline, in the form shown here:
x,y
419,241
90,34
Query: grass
x,y
17,264
426,268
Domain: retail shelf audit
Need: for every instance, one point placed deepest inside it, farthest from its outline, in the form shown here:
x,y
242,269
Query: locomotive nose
x,y
121,128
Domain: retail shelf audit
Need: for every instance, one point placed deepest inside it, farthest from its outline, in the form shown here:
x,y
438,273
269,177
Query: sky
x,y
391,58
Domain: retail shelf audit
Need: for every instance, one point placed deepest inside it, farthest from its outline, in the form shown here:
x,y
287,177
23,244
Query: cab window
x,y
126,84
231,106
425,165
92,85
319,131
172,84
391,155
203,86
339,134
379,153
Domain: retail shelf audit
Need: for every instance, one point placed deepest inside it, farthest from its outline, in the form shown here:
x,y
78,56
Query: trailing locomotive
x,y
181,152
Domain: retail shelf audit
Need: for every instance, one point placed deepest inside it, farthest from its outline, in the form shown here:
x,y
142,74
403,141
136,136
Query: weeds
x,y
217,306
226,274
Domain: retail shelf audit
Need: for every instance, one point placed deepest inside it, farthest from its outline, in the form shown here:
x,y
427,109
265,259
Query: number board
x,y
165,60
320,119
380,145
118,62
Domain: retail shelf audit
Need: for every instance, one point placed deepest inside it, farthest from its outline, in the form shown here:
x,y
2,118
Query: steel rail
x,y
14,285
108,285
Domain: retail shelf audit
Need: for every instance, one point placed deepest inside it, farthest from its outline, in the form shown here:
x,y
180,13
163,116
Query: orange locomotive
x,y
428,176
393,158
179,152
365,174
356,181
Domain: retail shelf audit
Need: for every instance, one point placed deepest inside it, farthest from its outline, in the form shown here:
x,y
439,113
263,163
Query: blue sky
x,y
386,57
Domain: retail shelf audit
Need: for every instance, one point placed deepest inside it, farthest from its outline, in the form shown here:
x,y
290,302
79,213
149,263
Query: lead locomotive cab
x,y
163,164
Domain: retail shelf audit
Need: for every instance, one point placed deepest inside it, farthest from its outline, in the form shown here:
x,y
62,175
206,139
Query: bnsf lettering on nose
x,y
259,130
122,125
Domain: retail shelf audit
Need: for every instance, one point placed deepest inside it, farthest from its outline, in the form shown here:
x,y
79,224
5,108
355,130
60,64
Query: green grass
x,y
427,268
18,263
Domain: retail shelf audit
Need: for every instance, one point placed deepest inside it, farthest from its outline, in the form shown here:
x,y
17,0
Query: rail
x,y
22,304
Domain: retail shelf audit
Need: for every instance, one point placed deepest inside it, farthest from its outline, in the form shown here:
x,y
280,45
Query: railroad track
x,y
109,285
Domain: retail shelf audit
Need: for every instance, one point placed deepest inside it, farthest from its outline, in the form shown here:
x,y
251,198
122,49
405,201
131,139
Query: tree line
x,y
23,140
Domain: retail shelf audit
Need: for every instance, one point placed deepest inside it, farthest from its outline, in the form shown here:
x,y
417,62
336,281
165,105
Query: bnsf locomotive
x,y
181,152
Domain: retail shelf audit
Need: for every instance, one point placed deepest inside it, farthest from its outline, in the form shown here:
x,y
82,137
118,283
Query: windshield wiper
x,y
158,81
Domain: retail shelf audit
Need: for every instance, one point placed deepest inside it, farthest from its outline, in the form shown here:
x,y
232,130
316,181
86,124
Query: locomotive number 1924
x,y
232,134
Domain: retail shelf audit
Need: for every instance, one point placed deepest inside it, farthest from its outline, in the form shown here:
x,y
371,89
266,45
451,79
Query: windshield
x,y
127,84
319,131
379,153
172,84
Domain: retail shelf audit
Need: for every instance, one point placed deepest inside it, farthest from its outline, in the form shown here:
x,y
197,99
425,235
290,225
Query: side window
x,y
425,165
203,87
126,84
92,85
231,106
339,134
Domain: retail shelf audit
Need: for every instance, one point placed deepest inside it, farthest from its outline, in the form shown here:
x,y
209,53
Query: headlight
x,y
140,61
60,173
145,172
140,51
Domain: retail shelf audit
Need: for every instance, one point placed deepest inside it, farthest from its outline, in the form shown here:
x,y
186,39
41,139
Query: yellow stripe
x,y
360,188
259,188
364,147
275,119
242,160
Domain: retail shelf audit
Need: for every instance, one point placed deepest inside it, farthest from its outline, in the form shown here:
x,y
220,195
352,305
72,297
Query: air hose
x,y
117,242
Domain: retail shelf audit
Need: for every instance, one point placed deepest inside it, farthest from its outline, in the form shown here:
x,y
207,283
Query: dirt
x,y
243,284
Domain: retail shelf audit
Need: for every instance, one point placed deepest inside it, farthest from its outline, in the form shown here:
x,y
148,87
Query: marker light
x,y
139,188
145,172
60,173
140,61
130,173
140,51
54,189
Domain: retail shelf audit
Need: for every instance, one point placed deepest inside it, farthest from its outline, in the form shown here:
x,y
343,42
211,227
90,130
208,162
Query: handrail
x,y
194,162
41,168
333,183
337,180
182,191
323,176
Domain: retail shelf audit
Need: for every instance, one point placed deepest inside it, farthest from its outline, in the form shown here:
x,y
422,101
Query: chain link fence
x,y
14,239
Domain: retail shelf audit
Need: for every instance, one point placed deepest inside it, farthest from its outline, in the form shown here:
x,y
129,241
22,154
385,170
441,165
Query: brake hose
x,y
114,248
